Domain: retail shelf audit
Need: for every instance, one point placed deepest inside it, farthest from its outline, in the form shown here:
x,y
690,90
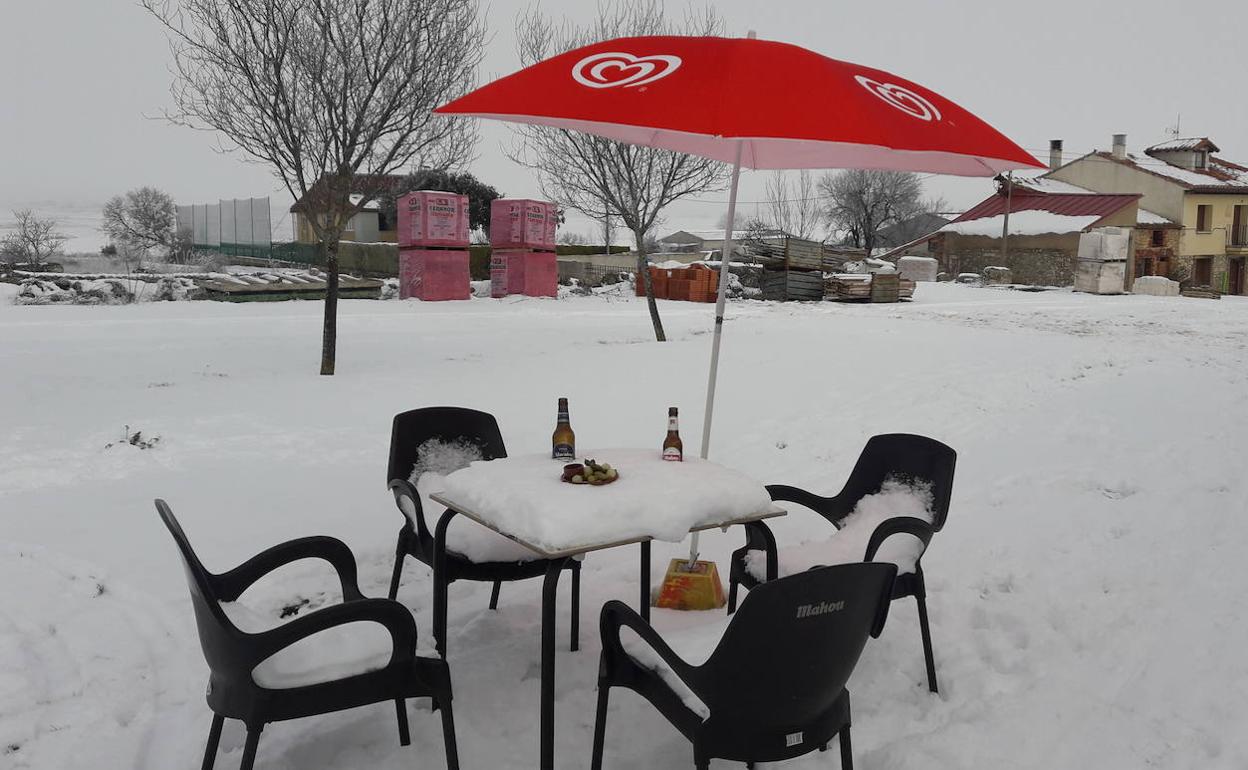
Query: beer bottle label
x,y
563,452
672,453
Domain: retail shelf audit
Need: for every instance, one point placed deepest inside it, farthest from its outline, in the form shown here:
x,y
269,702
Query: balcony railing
x,y
1237,237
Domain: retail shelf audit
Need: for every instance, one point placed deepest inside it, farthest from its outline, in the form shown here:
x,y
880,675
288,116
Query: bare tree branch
x,y
597,176
332,95
33,240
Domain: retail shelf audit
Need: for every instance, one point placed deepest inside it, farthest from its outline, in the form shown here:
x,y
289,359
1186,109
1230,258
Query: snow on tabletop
x,y
849,544
524,497
335,653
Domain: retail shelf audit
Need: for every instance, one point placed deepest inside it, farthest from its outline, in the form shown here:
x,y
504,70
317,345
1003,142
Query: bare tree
x,y
33,240
860,203
794,207
598,176
332,95
141,220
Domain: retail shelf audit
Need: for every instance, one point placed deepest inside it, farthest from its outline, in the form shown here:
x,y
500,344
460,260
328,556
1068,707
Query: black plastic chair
x,y
900,455
775,684
452,424
232,654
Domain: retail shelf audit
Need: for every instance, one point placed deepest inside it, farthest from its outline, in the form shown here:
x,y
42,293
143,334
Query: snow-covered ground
x,y
1086,594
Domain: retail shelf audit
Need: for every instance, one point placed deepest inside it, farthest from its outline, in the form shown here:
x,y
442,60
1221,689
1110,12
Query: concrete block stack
x,y
522,237
433,246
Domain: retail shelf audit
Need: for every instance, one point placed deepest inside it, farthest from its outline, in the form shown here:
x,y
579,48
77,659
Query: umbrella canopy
x,y
753,103
781,105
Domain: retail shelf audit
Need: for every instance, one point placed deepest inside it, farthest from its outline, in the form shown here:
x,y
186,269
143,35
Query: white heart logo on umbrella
x,y
617,68
902,98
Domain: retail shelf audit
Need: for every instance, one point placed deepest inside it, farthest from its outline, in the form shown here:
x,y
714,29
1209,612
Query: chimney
x,y
1055,153
1120,146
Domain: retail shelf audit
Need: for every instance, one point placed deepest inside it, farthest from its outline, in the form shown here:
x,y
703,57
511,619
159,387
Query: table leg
x,y
644,607
550,595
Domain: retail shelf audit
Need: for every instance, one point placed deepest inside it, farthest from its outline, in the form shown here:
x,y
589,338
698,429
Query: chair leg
x,y
214,739
847,751
440,598
926,631
249,749
400,552
600,725
576,607
400,710
498,584
448,737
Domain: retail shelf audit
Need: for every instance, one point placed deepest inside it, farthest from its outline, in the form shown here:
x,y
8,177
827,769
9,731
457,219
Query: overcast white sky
x,y
84,77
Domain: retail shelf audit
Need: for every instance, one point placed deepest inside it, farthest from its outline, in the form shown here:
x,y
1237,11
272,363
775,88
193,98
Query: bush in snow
x,y
389,289
108,291
135,439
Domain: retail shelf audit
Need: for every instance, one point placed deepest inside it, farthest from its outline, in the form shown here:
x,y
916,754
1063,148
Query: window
x,y
1203,216
1159,238
1202,159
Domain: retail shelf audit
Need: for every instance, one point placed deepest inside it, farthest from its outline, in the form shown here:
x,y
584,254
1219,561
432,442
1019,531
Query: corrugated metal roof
x,y
1071,205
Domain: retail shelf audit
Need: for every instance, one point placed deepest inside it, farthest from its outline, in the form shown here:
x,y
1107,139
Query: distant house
x,y
1203,197
369,225
699,241
1045,222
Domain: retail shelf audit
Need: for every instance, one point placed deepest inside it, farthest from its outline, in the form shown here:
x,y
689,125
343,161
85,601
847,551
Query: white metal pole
x,y
720,302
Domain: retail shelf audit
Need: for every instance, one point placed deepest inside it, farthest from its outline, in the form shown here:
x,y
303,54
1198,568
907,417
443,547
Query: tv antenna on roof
x,y
1177,129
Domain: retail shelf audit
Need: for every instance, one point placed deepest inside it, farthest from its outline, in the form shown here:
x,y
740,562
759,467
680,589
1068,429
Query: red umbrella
x,y
753,103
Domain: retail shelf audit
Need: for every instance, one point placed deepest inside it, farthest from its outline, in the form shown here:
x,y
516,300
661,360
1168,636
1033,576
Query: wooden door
x,y
1202,272
1235,277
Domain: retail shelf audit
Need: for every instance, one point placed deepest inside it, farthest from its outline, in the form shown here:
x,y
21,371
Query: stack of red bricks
x,y
696,283
522,240
433,246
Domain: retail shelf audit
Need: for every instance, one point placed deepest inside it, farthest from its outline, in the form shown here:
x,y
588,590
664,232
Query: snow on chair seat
x,y
694,645
895,498
327,656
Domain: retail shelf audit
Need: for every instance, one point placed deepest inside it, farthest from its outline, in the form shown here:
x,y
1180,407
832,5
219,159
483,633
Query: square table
x,y
652,499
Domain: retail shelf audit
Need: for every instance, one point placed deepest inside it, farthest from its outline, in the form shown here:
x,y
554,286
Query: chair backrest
x,y
446,423
222,643
905,456
788,652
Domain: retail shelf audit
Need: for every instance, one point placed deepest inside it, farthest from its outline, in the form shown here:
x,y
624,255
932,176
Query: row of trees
x,y
855,208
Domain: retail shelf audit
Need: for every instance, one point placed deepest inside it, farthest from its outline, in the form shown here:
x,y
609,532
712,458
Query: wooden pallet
x,y
271,287
1201,293
790,254
880,287
787,285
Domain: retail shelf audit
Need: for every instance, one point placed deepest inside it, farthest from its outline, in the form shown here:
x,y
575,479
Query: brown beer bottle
x,y
563,442
673,448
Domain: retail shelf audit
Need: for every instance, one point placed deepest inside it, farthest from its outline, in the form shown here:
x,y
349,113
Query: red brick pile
x,y
696,283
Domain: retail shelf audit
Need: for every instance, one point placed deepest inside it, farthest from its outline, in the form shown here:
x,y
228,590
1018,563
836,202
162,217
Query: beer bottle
x,y
563,442
673,448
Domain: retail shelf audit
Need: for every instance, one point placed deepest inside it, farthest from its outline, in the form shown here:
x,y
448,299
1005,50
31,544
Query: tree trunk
x,y
643,274
329,332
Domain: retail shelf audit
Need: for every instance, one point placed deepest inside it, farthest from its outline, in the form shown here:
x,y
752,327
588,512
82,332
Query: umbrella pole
x,y
720,302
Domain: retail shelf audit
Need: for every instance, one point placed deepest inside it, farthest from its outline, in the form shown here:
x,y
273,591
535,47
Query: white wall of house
x,y
1103,175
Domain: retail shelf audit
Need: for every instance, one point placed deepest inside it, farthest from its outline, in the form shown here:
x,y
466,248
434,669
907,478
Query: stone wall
x,y
1046,260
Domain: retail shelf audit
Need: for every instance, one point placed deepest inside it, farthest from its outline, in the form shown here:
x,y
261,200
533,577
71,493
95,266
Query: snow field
x,y
1084,592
